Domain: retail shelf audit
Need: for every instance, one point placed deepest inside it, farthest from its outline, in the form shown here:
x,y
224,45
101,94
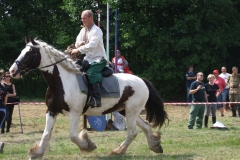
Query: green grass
x,y
178,142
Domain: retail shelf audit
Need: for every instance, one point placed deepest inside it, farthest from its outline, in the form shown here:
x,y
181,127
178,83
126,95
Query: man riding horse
x,y
90,42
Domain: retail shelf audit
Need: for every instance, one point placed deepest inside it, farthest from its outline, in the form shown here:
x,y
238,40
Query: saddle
x,y
109,86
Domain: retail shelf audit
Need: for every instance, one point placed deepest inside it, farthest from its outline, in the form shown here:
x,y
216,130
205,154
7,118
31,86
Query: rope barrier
x,y
180,103
36,103
166,103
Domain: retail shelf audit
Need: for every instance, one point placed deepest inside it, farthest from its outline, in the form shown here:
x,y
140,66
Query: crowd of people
x,y
218,88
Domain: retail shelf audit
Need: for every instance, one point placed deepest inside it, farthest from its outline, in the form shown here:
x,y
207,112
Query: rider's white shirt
x,y
94,49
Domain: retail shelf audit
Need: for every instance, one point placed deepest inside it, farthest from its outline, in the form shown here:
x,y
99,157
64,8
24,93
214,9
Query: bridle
x,y
31,68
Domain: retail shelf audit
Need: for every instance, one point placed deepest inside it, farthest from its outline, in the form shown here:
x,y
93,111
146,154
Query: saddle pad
x,y
109,86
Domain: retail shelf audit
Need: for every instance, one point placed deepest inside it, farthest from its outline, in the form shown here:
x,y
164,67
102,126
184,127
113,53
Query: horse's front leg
x,y
37,151
82,140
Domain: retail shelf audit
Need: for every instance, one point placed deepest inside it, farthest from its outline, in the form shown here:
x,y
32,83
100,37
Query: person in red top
x,y
221,84
122,67
122,63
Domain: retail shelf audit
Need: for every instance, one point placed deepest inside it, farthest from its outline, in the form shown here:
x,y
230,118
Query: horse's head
x,y
29,59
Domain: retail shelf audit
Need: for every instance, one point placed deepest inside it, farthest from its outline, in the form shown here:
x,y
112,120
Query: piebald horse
x,y
64,96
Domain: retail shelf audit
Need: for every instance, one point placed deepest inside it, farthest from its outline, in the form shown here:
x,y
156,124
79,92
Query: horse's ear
x,y
26,40
33,42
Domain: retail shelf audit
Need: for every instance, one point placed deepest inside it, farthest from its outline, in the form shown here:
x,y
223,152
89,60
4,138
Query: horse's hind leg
x,y
152,139
38,150
132,133
82,141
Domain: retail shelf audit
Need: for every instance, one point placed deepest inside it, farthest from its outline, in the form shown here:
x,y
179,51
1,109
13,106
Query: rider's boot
x,y
95,101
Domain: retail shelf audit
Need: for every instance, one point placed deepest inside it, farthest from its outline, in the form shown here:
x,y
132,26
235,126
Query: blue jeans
x,y
189,96
219,99
224,94
2,116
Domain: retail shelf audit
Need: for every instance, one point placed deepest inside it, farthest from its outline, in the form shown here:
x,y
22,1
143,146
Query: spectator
x,y
122,63
122,67
221,84
198,92
234,92
213,92
11,93
225,92
3,100
190,77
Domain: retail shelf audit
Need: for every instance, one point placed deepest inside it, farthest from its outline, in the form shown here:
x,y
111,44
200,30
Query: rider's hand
x,y
81,43
75,51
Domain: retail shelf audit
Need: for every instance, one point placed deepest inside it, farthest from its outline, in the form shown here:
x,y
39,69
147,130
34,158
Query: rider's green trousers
x,y
94,72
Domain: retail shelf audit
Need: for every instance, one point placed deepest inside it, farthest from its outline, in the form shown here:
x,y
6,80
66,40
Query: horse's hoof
x,y
119,151
34,153
157,149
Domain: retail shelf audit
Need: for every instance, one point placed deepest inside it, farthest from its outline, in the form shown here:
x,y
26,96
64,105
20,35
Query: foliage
x,y
160,39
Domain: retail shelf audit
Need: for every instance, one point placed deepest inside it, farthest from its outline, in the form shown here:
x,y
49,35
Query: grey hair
x,y
89,13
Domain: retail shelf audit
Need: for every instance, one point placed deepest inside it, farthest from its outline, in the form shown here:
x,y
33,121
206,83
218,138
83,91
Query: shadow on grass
x,y
25,133
158,157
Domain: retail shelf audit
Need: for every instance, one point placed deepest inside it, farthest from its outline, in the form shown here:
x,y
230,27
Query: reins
x,y
53,63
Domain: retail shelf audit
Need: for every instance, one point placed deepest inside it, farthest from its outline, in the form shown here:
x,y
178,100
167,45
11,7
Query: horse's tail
x,y
154,107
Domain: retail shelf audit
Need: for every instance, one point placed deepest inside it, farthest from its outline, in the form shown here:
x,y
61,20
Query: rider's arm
x,y
95,37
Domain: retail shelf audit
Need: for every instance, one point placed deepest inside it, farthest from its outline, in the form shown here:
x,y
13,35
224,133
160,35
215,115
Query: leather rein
x,y
26,70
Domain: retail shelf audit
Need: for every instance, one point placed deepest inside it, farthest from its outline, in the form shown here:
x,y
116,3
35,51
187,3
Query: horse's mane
x,y
58,56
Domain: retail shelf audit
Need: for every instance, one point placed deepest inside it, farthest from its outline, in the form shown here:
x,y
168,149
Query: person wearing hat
x,y
234,92
221,84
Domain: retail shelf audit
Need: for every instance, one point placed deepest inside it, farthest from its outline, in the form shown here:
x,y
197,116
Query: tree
x,y
158,38
161,38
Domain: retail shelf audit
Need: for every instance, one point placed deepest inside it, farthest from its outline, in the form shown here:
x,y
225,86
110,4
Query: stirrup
x,y
93,103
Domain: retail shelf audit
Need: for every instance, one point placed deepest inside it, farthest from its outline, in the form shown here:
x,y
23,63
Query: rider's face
x,y
86,20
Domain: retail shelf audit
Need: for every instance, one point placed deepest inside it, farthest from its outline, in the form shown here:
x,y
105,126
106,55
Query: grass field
x,y
177,141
